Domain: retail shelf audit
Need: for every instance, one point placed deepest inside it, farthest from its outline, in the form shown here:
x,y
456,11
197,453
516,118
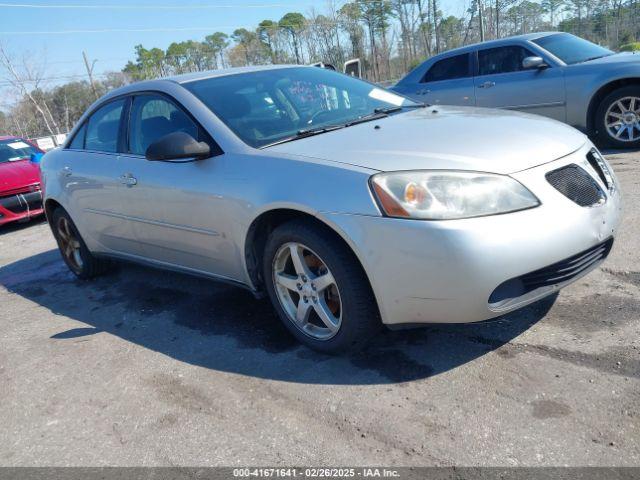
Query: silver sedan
x,y
350,206
556,75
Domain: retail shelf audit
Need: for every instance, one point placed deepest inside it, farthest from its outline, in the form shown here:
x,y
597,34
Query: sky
x,y
108,30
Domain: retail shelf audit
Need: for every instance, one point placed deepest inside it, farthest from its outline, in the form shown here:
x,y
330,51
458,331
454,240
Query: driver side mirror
x,y
176,146
530,63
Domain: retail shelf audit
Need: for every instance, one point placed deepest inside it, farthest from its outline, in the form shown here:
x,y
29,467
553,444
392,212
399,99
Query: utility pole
x,y
90,74
435,25
481,19
497,18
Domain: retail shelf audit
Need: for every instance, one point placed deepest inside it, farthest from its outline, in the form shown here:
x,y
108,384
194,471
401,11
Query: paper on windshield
x,y
17,145
385,96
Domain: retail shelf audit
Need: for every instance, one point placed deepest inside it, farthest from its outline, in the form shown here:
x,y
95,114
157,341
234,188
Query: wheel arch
x,y
266,222
50,205
601,93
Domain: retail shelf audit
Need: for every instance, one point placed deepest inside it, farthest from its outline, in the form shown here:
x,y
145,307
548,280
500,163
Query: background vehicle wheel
x,y
618,118
318,288
73,249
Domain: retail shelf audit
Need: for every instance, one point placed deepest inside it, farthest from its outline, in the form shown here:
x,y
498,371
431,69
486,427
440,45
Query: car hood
x,y
14,175
622,57
457,138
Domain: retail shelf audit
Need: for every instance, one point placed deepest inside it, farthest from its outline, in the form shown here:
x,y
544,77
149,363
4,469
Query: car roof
x,y
499,42
190,77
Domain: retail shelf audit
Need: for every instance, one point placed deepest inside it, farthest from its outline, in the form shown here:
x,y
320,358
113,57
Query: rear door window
x,y
103,128
449,69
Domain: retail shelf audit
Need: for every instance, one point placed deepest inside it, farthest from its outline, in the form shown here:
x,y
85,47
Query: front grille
x,y
577,185
24,189
22,202
555,274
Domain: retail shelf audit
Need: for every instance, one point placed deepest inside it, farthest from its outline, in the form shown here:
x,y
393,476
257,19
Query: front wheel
x,y
73,249
318,288
618,118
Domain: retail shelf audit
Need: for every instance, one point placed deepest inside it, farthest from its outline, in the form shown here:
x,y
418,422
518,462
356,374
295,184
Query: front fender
x,y
584,88
307,185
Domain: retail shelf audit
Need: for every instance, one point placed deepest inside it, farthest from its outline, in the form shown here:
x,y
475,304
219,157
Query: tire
x,y
603,135
80,261
359,318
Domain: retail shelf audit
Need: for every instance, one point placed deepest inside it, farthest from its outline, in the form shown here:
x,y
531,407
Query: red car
x,y
20,195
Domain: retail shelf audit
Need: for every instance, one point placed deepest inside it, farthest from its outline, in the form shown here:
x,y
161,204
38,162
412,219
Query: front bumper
x,y
20,206
447,271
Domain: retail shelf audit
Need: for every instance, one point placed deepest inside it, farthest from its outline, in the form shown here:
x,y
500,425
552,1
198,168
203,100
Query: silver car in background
x,y
349,205
556,75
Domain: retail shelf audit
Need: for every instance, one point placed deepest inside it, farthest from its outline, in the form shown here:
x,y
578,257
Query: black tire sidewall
x,y
359,312
601,129
88,260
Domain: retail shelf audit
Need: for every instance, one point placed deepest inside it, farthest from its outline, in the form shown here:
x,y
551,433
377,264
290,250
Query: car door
x,y
448,82
90,178
176,217
503,82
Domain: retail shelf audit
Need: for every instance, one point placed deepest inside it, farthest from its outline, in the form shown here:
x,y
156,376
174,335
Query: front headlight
x,y
446,195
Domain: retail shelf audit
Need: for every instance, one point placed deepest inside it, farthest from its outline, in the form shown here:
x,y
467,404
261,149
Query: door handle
x,y
424,91
66,171
128,180
487,85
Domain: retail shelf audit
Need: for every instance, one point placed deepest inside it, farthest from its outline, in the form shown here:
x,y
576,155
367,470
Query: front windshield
x,y
14,150
571,49
267,106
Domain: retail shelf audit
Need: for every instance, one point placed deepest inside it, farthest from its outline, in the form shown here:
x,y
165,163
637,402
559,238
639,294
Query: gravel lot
x,y
143,367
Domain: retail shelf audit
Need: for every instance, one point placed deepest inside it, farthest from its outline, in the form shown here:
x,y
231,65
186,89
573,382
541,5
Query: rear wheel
x,y
73,249
318,288
618,118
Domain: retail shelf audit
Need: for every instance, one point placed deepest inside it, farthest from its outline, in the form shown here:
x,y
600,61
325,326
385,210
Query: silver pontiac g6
x,y
349,205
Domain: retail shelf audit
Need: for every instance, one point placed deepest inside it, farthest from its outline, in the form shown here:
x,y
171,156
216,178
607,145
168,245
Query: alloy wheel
x,y
307,291
622,119
69,244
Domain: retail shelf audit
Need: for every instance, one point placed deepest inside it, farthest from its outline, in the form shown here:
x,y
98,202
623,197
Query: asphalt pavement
x,y
150,368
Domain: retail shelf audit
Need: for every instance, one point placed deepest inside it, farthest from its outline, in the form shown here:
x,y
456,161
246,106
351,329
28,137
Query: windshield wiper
x,y
306,132
398,108
377,113
381,112
368,117
387,109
